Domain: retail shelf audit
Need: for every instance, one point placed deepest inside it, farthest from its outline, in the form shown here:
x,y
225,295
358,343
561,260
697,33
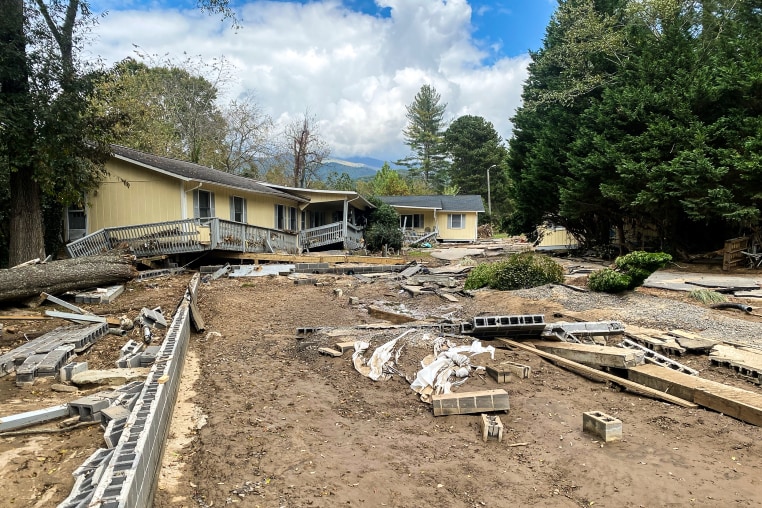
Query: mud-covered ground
x,y
264,420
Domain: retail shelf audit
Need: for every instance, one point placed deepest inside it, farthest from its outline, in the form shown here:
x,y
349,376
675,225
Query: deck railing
x,y
322,235
183,236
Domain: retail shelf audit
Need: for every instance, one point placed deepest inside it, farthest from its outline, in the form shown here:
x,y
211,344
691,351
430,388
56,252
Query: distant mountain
x,y
354,169
366,161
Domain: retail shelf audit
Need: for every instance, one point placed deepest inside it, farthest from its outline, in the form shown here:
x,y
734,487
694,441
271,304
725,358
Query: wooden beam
x,y
596,356
24,317
601,376
736,402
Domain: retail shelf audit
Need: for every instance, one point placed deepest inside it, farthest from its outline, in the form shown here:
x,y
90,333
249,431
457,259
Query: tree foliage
x,y
643,115
386,182
383,228
475,148
424,134
53,140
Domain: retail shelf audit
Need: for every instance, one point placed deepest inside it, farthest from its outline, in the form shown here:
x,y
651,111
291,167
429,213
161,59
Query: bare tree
x,y
248,137
306,149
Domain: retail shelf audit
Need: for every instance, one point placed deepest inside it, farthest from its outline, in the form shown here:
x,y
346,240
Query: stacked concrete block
x,y
87,477
129,355
113,420
529,325
130,476
98,296
80,337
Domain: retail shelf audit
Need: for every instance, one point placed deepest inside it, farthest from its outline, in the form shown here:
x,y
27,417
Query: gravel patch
x,y
649,311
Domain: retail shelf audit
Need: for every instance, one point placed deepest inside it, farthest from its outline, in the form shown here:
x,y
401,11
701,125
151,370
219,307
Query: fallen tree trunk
x,y
17,284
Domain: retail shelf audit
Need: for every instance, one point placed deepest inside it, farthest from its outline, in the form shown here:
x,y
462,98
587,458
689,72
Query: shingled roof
x,y
190,171
464,203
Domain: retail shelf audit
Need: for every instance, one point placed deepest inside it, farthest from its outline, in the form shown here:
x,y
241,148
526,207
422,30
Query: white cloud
x,y
353,71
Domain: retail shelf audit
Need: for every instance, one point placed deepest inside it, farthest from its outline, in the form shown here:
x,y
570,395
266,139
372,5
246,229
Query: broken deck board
x,y
596,356
692,342
603,376
736,402
470,402
746,362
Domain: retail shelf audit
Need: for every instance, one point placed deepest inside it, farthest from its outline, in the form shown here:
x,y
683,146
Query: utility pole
x,y
489,193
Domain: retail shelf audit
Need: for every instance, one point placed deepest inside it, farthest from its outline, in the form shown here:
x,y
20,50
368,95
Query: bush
x,y
519,271
608,280
631,271
648,261
383,229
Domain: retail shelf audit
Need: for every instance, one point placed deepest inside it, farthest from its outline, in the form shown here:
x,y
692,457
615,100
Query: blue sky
x,y
353,64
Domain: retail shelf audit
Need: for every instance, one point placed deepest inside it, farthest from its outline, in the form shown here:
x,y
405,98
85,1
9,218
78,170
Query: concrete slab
x,y
109,377
680,281
456,253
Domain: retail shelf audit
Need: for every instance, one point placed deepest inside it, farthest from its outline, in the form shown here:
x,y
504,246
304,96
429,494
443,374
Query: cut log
x,y
57,277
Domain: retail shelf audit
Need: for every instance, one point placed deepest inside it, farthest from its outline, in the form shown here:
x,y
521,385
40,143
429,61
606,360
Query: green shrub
x,y
650,261
383,229
608,280
631,271
480,276
518,271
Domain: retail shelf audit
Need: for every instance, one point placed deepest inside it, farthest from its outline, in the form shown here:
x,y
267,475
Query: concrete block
x,y
491,427
87,408
345,346
353,300
470,402
302,282
602,425
505,371
67,371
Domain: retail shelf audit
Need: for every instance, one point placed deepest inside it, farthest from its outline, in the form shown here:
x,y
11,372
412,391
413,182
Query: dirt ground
x,y
264,420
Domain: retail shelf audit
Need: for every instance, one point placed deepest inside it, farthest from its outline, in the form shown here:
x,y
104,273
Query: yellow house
x,y
329,216
551,237
443,218
158,205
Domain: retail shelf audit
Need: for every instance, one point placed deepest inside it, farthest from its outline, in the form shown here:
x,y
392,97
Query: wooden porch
x,y
186,236
200,235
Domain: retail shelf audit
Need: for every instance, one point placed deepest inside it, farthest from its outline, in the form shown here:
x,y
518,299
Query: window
x,y
456,221
237,209
412,221
285,217
203,204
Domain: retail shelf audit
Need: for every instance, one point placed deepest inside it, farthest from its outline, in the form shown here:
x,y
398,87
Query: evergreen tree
x,y
424,135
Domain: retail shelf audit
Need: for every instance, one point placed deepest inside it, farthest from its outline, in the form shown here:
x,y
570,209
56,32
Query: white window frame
x,y
416,220
234,212
461,218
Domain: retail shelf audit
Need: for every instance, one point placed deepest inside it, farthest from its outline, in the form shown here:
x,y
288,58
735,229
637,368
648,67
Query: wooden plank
x,y
602,376
736,402
24,317
596,356
470,402
746,406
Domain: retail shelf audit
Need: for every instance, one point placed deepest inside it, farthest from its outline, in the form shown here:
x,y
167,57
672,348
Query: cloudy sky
x,y
353,64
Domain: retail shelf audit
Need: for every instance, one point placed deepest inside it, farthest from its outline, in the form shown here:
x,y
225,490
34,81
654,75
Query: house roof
x,y
340,195
464,203
189,171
